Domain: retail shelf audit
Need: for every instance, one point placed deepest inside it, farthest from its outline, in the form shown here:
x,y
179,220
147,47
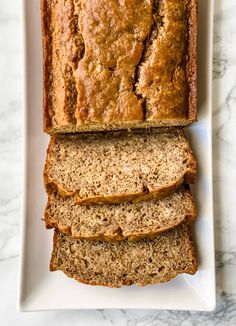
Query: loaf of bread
x,y
113,264
112,64
119,166
119,221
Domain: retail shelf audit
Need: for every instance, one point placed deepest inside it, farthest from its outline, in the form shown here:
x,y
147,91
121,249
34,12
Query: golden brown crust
x,y
193,252
67,125
192,60
191,271
52,266
46,41
45,172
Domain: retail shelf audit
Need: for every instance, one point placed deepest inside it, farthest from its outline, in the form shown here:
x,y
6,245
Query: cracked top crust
x,y
112,64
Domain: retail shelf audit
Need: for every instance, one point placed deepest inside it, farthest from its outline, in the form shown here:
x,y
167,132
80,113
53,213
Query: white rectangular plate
x,y
42,290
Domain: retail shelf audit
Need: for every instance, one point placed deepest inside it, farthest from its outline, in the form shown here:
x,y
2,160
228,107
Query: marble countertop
x,y
224,163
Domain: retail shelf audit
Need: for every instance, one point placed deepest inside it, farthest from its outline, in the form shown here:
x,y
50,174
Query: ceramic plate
x,y
42,290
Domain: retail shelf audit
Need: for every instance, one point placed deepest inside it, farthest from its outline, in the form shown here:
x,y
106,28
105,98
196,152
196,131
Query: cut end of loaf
x,y
97,127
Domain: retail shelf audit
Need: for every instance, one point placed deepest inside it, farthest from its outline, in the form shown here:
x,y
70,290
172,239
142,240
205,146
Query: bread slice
x,y
119,166
119,221
113,264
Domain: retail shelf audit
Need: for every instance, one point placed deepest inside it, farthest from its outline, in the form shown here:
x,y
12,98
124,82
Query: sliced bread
x,y
113,264
119,221
121,166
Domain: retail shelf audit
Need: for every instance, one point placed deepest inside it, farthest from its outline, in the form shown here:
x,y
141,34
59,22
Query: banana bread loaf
x,y
119,166
112,64
113,264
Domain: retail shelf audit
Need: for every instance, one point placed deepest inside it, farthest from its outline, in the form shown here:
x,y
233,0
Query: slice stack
x,y
120,206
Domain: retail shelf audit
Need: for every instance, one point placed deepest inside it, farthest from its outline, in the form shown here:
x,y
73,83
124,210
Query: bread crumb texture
x,y
119,166
119,221
125,262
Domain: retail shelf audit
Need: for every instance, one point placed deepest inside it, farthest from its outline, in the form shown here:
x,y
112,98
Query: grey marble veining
x,y
224,162
224,121
10,129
